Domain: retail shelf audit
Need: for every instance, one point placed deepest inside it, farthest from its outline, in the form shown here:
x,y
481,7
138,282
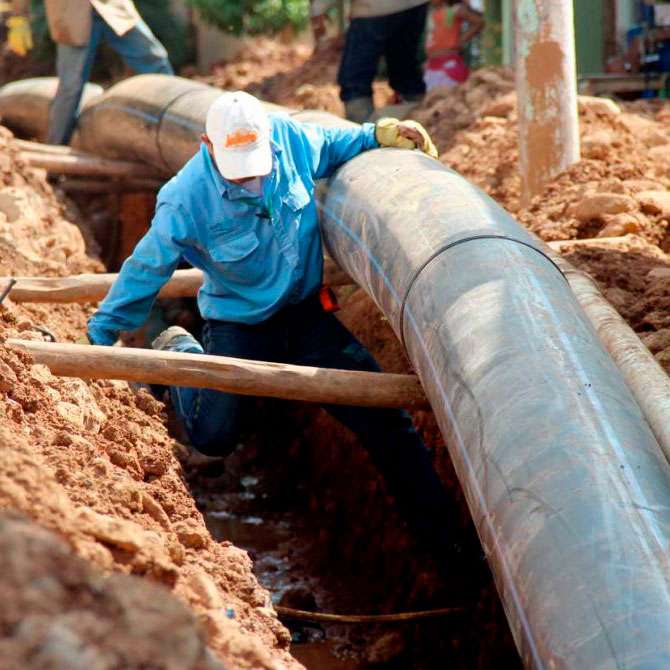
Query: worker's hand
x,y
404,135
19,37
319,26
84,339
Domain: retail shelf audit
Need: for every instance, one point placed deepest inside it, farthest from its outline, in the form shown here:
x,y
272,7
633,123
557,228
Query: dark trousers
x,y
304,334
395,36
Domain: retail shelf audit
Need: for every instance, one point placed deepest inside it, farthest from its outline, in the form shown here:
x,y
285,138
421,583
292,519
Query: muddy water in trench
x,y
265,541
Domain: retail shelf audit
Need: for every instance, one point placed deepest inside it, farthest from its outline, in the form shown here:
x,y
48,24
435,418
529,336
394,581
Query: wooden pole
x,y
234,375
94,287
109,186
546,91
85,165
54,149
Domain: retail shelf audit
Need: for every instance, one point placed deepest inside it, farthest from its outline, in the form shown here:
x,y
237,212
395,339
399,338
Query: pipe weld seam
x,y
159,123
451,245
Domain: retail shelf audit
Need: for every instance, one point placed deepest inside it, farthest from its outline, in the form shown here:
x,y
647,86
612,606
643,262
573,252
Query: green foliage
x,y
253,16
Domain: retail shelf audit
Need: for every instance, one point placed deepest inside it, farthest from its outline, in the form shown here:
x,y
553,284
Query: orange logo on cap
x,y
241,136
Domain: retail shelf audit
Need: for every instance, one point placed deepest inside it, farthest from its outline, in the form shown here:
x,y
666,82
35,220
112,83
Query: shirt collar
x,y
228,189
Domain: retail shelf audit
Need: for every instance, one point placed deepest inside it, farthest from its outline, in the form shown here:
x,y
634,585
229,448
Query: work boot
x,y
414,98
176,338
359,110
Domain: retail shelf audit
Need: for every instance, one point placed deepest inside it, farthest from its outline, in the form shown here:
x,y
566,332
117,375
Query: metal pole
x,y
546,90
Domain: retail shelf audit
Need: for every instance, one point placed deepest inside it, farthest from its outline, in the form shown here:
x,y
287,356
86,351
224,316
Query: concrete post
x,y
546,90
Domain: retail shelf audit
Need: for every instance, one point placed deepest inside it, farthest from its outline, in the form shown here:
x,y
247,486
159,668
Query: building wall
x,y
589,37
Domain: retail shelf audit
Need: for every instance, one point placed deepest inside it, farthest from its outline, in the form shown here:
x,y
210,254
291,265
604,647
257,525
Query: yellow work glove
x,y
19,37
389,133
83,340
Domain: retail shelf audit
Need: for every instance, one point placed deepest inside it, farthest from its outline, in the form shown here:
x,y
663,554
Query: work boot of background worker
x,y
359,110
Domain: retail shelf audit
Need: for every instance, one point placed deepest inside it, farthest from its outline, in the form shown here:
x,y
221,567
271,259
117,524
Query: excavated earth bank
x,y
94,462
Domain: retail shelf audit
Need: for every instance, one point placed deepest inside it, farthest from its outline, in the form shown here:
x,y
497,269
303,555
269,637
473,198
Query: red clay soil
x,y
94,463
292,75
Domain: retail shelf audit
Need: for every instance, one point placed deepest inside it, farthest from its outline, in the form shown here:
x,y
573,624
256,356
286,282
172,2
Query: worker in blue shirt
x,y
243,210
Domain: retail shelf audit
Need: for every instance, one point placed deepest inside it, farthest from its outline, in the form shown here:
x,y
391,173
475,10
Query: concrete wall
x,y
589,37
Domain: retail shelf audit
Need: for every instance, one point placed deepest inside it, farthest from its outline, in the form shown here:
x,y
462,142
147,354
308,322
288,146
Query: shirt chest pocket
x,y
234,247
297,196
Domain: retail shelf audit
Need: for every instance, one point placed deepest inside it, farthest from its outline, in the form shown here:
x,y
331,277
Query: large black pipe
x,y
567,485
24,104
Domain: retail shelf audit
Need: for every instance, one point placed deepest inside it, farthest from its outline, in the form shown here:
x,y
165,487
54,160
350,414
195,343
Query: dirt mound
x,y
58,612
290,75
445,111
94,462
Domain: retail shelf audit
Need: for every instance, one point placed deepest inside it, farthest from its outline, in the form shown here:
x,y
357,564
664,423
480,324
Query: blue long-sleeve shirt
x,y
257,254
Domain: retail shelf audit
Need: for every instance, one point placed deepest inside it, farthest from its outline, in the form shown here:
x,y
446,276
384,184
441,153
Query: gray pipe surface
x,y
24,104
644,376
566,483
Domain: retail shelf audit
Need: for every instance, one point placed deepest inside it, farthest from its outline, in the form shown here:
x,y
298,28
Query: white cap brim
x,y
236,164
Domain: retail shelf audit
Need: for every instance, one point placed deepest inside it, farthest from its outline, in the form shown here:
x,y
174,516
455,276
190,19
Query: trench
x,y
292,494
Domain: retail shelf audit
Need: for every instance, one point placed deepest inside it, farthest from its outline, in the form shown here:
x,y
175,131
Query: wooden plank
x,y
85,165
107,186
54,149
602,84
234,375
94,287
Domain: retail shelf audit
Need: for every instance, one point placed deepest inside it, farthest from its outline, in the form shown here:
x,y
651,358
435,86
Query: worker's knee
x,y
356,357
216,446
216,437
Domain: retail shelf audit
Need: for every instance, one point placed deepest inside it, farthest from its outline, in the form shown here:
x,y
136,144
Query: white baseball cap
x,y
239,129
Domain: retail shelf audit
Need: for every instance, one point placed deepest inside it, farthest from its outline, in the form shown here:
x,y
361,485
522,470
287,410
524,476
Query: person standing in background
x,y
445,40
77,26
389,28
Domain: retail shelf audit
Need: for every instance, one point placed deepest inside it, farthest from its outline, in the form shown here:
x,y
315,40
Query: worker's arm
x,y
21,7
319,16
328,148
475,25
142,276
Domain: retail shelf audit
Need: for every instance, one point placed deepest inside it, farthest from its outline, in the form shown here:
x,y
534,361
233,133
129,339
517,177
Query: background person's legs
x,y
73,67
140,49
402,53
363,47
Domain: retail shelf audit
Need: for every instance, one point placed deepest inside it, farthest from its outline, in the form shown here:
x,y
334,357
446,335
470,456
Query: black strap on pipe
x,y
448,246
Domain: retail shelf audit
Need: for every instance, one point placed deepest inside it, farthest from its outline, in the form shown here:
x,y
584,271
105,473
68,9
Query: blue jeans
x,y
304,334
139,48
395,36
